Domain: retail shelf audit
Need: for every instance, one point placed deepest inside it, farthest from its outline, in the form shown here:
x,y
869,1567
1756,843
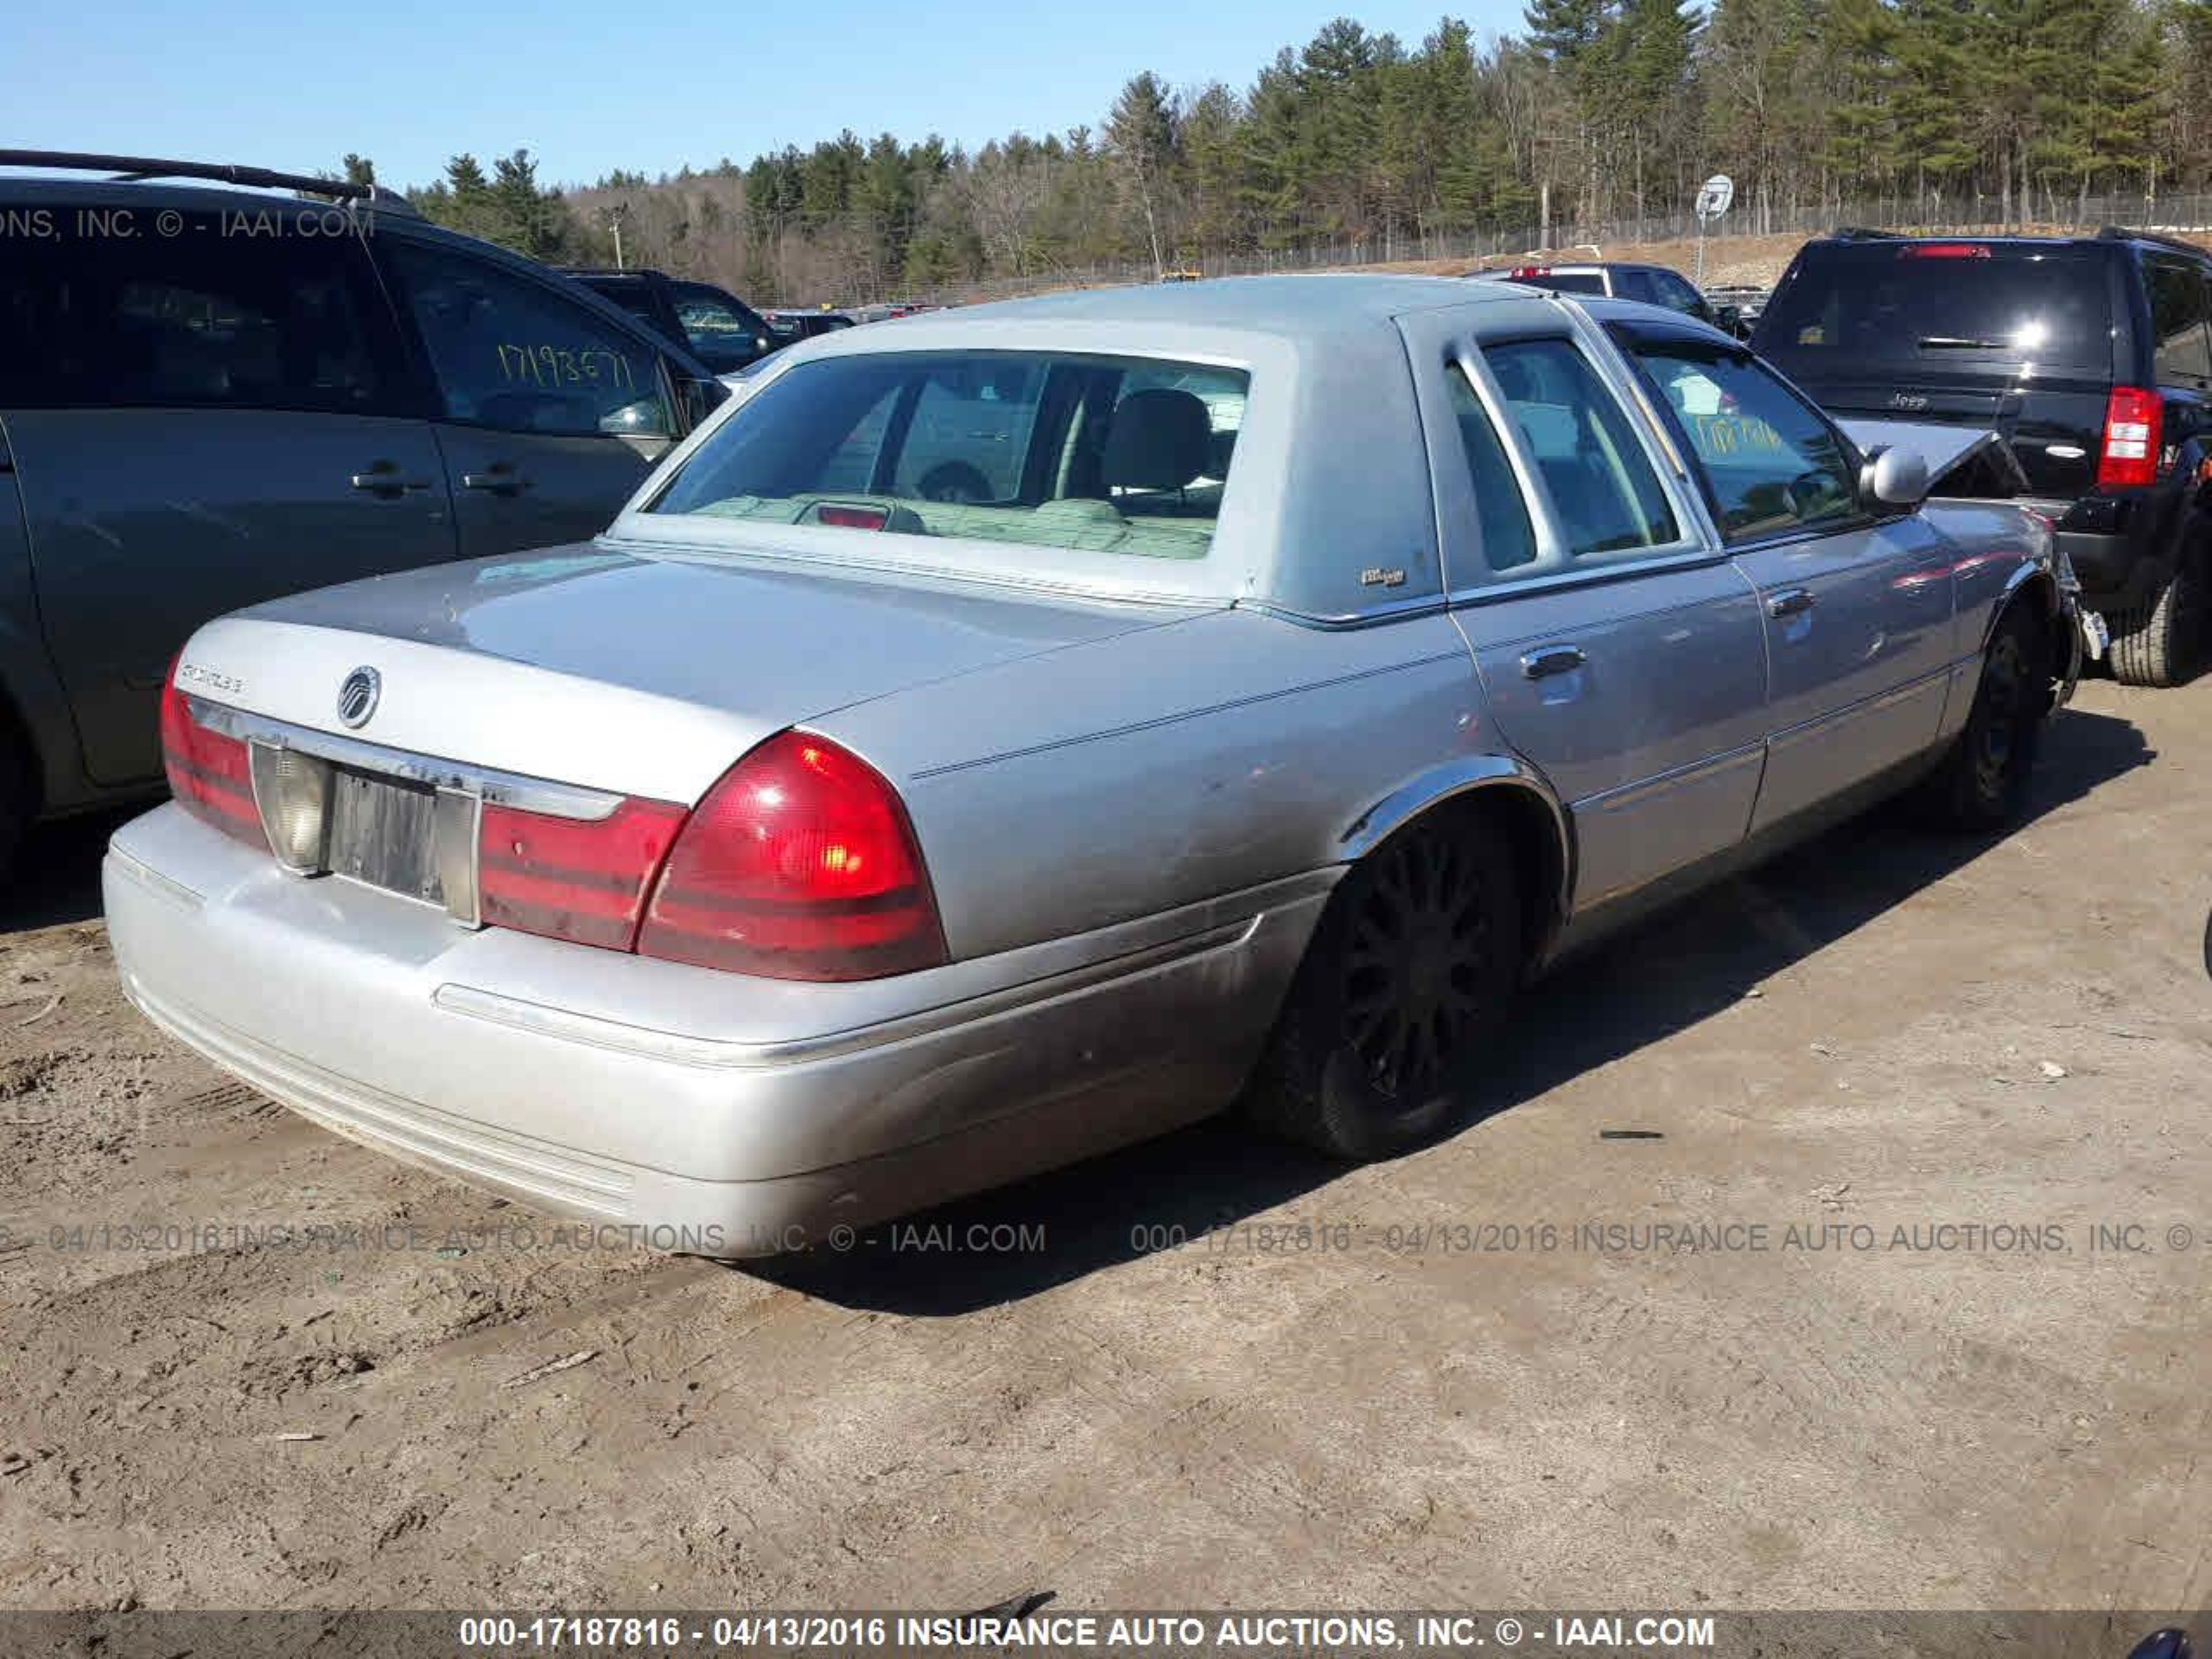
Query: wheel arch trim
x,y
1461,780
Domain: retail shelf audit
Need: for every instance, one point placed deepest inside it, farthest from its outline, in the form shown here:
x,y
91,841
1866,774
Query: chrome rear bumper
x,y
747,1116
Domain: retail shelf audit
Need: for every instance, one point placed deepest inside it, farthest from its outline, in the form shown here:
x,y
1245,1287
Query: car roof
x,y
1299,306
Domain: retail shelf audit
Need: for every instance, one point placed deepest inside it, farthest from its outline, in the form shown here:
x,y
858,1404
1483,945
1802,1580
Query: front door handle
x,y
1552,659
384,477
501,480
1795,601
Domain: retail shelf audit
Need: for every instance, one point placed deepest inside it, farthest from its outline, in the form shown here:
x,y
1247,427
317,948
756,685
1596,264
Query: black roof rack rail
x,y
139,170
2122,233
1860,233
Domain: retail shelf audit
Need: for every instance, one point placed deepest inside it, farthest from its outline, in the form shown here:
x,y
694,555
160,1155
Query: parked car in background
x,y
1320,657
788,327
1648,284
712,323
2090,353
1746,300
210,397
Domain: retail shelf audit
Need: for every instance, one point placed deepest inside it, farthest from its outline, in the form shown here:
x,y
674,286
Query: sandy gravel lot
x,y
1885,1032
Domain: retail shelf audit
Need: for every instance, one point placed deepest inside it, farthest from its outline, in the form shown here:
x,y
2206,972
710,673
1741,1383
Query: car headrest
x,y
1158,439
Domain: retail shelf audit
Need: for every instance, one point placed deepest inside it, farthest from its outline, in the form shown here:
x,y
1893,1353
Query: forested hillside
x,y
1602,112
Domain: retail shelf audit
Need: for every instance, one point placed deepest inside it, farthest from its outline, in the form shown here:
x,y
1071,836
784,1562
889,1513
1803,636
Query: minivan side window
x,y
2178,316
1605,496
198,319
510,353
1772,464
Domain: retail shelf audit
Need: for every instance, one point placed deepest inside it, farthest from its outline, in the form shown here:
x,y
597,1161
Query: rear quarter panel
x,y
1117,779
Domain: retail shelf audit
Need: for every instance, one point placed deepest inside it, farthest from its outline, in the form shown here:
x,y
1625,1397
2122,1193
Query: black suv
x,y
2091,354
712,323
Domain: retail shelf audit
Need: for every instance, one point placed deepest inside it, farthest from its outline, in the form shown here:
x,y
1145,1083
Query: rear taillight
x,y
2134,428
210,774
799,864
1521,273
568,879
852,518
1944,250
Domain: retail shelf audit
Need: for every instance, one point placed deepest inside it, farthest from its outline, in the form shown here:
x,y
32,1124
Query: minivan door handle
x,y
1552,659
501,480
1794,601
384,477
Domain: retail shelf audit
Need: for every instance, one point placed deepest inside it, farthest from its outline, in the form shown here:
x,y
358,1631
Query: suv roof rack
x,y
2122,233
139,170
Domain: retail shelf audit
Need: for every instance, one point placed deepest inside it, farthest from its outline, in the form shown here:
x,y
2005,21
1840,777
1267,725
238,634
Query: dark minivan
x,y
2090,355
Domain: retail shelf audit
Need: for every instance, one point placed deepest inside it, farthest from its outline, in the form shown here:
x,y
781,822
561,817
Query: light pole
x,y
614,224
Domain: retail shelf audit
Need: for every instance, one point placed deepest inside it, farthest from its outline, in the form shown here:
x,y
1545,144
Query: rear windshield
x,y
1109,455
1923,304
1568,282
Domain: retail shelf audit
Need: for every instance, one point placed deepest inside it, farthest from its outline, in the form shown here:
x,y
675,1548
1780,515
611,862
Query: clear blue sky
x,y
591,84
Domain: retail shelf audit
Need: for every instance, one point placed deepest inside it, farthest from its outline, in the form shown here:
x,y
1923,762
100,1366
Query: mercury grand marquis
x,y
1019,732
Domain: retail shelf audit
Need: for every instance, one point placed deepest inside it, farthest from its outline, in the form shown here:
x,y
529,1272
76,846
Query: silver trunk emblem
x,y
357,696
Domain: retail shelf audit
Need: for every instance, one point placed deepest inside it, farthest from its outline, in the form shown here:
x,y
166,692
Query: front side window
x,y
511,352
1772,464
724,334
1050,449
1605,496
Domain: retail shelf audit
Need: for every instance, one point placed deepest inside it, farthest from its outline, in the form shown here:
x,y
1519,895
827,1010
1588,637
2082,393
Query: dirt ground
x,y
1884,1031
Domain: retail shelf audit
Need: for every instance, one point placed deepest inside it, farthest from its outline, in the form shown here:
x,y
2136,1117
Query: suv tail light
x,y
2134,428
210,774
1521,272
568,879
1945,250
800,863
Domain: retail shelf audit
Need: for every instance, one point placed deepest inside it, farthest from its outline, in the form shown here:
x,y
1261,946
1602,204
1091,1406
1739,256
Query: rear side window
x,y
1507,539
1103,454
1567,282
2178,317
1605,496
1845,304
207,316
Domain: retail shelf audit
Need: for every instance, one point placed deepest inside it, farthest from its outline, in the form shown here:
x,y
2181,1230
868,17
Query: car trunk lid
x,y
643,676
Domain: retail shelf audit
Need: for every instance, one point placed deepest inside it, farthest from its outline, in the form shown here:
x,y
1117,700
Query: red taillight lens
x,y
799,864
2134,428
570,880
852,518
1944,250
1520,273
210,774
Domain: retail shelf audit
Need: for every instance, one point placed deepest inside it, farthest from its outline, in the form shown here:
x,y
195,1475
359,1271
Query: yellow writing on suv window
x,y
556,366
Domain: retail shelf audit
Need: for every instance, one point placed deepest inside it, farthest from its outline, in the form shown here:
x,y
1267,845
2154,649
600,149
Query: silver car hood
x,y
590,665
1944,448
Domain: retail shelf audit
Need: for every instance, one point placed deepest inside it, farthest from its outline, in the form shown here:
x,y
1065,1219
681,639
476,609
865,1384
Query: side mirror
x,y
1895,477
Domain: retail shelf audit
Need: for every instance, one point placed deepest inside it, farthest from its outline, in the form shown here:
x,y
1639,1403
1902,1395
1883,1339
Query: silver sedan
x,y
1024,730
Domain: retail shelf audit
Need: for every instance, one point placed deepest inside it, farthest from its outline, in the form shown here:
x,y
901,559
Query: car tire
x,y
1983,782
1411,971
2155,642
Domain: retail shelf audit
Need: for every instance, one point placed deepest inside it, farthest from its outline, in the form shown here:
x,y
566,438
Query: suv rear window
x,y
1109,455
1565,282
1928,303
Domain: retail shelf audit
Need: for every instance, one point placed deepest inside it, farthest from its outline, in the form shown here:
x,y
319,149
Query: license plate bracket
x,y
383,833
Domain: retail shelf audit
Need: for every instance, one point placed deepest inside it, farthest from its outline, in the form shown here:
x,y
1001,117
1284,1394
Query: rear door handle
x,y
1794,602
501,480
382,478
1552,659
